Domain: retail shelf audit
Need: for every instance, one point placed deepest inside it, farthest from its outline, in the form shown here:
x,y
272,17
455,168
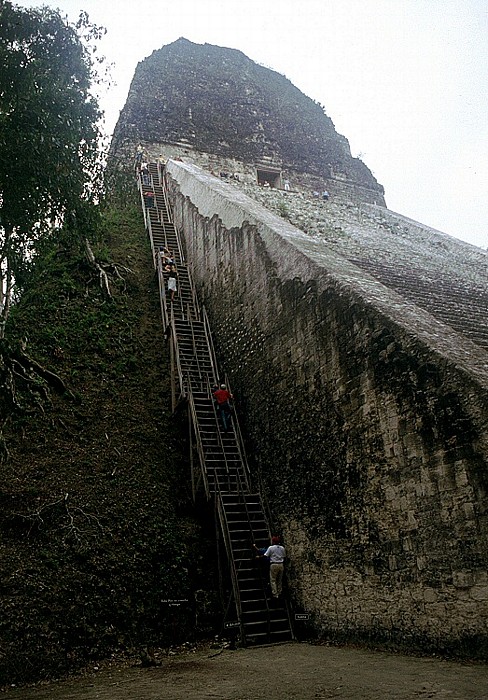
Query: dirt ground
x,y
295,671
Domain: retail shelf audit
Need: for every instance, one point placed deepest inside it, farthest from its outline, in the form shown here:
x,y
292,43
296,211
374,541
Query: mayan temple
x,y
355,340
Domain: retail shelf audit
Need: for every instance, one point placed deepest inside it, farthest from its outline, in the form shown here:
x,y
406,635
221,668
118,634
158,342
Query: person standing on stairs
x,y
276,555
224,408
168,260
138,158
172,282
145,173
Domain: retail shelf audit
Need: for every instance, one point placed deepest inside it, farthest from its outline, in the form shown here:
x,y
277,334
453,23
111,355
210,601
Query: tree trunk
x,y
6,282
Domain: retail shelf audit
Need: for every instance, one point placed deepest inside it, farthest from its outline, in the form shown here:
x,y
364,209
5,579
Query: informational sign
x,y
175,602
302,616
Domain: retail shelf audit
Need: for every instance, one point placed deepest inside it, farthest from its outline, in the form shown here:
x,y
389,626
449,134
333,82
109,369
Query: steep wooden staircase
x,y
222,472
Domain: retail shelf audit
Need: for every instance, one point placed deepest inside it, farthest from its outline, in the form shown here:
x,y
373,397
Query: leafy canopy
x,y
49,132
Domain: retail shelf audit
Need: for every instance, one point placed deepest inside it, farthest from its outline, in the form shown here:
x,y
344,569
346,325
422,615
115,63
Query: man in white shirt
x,y
276,555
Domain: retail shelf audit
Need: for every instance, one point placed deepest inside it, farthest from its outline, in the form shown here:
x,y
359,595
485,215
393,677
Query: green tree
x,y
50,166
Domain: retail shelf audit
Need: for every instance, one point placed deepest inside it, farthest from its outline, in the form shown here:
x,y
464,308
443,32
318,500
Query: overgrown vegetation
x,y
283,210
50,165
96,516
96,522
50,171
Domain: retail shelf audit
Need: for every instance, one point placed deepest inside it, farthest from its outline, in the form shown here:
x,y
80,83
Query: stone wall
x,y
348,190
366,421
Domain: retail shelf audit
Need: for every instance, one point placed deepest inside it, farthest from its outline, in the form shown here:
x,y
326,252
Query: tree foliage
x,y
49,135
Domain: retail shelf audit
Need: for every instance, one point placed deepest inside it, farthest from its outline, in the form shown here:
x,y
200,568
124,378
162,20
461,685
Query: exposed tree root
x,y
4,453
71,521
102,270
103,277
24,382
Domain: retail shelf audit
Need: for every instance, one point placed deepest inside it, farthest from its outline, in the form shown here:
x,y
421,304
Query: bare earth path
x,y
287,672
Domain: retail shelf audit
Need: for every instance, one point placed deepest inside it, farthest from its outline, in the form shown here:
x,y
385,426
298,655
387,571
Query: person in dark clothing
x,y
138,158
145,173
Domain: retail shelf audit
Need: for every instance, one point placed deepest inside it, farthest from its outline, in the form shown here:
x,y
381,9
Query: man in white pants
x,y
276,555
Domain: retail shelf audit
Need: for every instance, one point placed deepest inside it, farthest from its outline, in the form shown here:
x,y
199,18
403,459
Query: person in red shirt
x,y
222,397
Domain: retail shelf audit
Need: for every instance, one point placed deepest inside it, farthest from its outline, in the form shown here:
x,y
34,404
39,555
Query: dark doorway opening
x,y
270,176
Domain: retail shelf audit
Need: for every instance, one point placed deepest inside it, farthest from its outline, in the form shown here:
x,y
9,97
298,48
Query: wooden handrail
x,y
239,440
230,556
200,450
177,354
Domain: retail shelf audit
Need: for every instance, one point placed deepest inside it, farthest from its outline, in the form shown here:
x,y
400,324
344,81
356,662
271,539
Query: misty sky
x,y
406,81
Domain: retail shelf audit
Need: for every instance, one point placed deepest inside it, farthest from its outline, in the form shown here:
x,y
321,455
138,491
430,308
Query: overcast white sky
x,y
406,81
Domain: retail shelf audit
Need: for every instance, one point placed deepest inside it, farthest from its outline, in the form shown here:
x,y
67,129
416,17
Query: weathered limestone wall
x,y
299,181
367,424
